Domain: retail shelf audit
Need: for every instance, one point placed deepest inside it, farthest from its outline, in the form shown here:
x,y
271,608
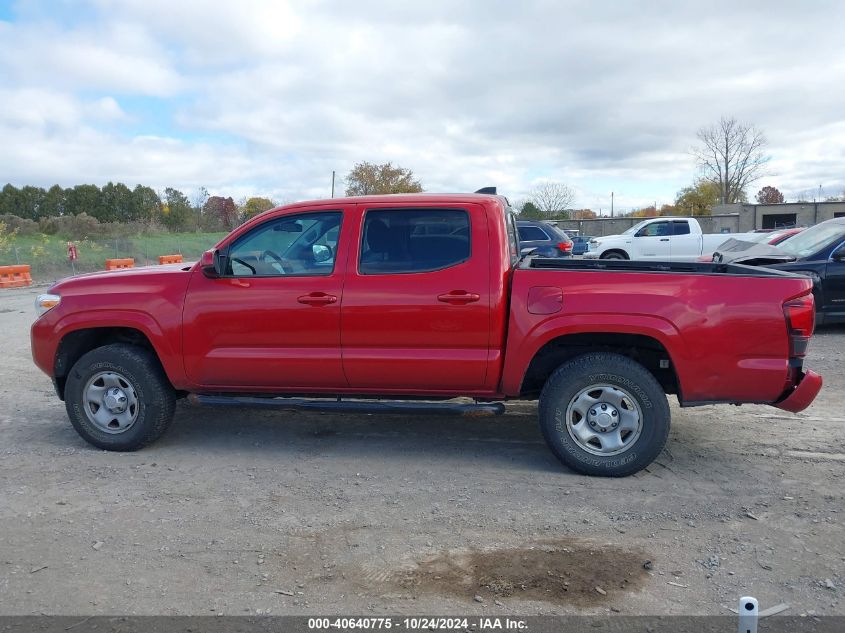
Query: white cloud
x,y
270,97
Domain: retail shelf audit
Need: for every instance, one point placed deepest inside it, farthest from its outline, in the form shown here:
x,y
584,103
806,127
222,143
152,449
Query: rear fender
x,y
517,361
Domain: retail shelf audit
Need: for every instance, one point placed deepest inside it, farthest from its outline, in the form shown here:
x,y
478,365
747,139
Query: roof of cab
x,y
401,198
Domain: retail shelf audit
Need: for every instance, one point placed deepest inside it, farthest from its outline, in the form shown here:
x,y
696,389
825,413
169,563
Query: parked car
x,y
581,244
758,237
661,238
346,298
818,252
545,238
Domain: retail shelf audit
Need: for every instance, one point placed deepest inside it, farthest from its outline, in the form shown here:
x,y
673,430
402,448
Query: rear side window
x,y
680,227
531,234
396,241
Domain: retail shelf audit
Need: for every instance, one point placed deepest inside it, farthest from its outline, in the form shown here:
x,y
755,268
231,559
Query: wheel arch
x,y
77,342
618,251
646,349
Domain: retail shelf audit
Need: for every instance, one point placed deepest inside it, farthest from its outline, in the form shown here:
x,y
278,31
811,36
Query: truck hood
x,y
735,251
141,278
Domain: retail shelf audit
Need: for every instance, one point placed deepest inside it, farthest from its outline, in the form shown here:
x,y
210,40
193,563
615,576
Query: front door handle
x,y
664,239
458,297
317,299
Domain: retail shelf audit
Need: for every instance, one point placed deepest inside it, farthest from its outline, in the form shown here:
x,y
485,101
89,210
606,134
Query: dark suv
x,y
546,238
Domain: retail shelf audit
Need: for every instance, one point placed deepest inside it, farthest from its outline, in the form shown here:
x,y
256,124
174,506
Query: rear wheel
x,y
604,414
118,398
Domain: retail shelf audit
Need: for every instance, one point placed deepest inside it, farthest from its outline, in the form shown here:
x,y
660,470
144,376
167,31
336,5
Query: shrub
x,y
19,226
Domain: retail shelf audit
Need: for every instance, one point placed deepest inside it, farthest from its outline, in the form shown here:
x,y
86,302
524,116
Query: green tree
x,y
529,211
256,205
145,204
115,203
369,179
83,199
54,202
698,199
176,213
11,200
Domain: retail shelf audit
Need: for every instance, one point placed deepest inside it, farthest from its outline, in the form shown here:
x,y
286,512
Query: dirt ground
x,y
241,512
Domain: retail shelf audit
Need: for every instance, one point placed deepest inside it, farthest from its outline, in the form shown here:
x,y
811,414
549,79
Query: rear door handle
x,y
317,299
458,297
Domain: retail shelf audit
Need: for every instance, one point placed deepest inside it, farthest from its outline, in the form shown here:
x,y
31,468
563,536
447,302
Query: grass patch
x,y
47,254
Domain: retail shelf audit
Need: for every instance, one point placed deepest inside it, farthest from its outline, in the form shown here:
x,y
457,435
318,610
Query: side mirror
x,y
321,253
527,250
838,255
210,264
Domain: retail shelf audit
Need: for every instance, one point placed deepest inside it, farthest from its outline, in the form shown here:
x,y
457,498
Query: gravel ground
x,y
263,512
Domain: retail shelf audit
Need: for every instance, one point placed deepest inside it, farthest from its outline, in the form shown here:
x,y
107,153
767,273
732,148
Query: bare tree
x,y
732,156
552,199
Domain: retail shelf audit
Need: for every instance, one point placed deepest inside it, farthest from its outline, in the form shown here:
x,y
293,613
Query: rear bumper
x,y
803,394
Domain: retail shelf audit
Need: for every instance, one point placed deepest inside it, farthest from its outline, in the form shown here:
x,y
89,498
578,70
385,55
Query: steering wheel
x,y
285,264
243,263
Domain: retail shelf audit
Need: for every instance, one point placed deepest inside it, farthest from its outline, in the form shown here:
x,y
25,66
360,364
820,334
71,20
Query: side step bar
x,y
486,409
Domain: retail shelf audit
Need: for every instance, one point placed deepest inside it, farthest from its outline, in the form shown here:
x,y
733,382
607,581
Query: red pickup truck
x,y
401,303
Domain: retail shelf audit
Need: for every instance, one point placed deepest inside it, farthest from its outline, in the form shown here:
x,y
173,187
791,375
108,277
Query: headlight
x,y
45,302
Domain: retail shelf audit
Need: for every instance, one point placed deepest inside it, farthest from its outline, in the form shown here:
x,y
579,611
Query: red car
x,y
412,300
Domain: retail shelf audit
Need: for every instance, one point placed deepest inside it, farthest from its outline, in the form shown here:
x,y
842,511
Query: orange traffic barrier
x,y
15,276
169,259
115,264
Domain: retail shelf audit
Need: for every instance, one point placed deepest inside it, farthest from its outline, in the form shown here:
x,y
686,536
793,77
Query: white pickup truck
x,y
664,238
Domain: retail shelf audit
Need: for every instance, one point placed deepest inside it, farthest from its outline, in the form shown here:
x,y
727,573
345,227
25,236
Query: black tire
x,y
156,398
615,255
617,371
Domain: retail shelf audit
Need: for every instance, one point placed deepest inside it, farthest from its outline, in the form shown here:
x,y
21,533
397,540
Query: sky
x,y
269,97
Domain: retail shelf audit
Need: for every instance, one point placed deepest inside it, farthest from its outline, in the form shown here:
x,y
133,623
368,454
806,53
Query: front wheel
x,y
604,414
118,398
614,255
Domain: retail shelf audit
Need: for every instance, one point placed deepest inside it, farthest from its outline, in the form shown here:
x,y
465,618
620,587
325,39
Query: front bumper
x,y
803,394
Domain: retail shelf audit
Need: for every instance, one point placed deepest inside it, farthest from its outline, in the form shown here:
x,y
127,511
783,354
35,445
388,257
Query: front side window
x,y
413,240
303,244
654,229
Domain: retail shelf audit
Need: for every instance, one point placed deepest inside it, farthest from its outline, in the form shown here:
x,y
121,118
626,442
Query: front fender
x,y
48,333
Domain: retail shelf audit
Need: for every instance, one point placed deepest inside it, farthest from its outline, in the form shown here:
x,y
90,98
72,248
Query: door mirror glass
x,y
321,252
839,254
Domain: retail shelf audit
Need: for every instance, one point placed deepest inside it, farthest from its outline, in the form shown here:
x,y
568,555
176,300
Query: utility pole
x,y
611,204
820,193
332,183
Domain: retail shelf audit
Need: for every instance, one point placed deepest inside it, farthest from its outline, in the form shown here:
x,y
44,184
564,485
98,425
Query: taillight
x,y
564,247
800,316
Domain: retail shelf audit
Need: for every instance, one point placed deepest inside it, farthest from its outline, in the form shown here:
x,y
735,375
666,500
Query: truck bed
x,y
641,266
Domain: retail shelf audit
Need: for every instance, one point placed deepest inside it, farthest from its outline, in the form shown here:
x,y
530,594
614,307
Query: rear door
x,y
272,321
416,309
684,245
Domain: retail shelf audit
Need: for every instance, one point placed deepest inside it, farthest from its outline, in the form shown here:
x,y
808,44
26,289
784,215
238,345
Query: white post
x,y
748,611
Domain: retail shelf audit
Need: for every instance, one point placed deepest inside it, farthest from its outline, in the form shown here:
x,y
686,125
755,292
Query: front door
x,y
652,241
272,321
416,308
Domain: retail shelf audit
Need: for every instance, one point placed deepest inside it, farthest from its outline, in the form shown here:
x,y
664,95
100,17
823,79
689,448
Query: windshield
x,y
637,227
813,239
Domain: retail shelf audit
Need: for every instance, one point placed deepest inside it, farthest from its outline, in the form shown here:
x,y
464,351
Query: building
x,y
727,218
